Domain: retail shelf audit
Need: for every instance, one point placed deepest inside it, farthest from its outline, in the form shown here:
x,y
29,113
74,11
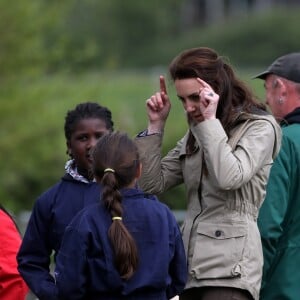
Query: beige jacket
x,y
220,232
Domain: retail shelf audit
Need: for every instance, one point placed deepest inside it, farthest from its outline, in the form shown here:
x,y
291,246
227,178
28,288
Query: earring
x,y
280,100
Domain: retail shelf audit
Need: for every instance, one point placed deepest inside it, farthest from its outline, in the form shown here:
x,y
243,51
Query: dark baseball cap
x,y
286,66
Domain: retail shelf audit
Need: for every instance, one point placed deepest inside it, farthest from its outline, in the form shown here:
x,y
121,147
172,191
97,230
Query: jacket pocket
x,y
218,250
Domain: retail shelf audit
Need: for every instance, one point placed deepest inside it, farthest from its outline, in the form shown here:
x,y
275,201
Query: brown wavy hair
x,y
118,152
206,64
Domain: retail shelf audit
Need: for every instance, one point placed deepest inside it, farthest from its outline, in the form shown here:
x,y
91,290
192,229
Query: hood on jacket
x,y
264,115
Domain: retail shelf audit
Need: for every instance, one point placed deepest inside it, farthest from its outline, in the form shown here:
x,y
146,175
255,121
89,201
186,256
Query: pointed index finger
x,y
162,84
204,83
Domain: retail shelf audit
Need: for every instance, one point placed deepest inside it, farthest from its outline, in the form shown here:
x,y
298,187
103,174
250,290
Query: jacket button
x,y
218,233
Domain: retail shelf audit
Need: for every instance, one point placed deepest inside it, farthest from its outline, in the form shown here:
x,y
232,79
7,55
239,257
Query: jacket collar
x,y
291,118
71,170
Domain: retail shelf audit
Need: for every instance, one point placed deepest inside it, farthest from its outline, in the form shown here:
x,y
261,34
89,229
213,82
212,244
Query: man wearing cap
x,y
279,217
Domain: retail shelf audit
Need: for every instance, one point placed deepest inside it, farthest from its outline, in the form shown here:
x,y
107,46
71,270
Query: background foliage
x,y
55,54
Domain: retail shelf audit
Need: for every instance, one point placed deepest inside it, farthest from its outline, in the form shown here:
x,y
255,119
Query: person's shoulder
x,y
49,195
148,199
290,139
92,209
265,125
4,218
290,136
259,116
266,118
88,216
150,196
8,227
65,180
65,183
50,191
162,207
153,200
256,114
269,127
291,130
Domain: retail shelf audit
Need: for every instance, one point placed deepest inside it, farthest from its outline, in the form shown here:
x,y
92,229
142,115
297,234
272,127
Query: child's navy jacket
x,y
51,213
85,263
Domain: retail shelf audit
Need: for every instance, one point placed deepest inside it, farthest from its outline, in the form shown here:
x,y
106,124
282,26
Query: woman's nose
x,y
190,106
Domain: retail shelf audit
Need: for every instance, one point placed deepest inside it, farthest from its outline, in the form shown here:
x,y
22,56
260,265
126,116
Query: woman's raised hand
x,y
158,108
208,100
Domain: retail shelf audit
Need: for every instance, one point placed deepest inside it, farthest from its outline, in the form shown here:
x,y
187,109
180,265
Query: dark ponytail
x,y
115,165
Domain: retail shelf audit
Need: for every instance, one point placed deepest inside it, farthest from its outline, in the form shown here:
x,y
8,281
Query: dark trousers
x,y
215,293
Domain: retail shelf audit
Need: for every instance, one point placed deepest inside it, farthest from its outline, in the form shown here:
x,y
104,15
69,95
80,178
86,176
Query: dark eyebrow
x,y
191,95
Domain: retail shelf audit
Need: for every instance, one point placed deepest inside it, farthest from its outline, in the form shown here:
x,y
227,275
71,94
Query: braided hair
x,y
116,165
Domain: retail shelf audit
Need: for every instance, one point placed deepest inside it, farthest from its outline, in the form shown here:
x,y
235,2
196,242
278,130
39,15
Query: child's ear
x,y
69,149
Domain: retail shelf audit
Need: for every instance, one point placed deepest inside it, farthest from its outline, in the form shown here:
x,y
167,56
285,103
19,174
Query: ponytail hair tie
x,y
109,170
116,218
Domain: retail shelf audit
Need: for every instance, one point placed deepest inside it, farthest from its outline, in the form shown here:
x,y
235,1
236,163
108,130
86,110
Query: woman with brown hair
x,y
224,162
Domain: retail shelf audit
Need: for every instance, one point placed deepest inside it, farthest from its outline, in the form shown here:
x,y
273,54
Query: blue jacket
x,y
51,213
279,218
85,264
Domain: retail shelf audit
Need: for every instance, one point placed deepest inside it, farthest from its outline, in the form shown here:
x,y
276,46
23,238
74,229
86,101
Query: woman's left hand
x,y
208,100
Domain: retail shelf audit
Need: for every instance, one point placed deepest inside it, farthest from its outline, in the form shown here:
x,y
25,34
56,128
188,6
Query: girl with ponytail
x,y
128,246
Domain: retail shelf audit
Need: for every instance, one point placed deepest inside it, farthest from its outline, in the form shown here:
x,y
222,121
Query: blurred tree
x,y
80,35
110,34
20,47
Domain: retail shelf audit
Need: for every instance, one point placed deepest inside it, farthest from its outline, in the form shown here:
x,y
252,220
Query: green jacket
x,y
225,184
279,219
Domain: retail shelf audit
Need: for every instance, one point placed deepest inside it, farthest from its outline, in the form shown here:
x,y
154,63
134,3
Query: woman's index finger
x,y
162,84
203,83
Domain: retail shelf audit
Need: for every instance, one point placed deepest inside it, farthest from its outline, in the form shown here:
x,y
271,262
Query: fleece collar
x,y
292,118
